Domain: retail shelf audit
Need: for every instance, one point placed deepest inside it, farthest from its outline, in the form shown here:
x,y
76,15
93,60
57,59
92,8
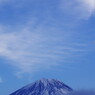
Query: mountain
x,y
44,87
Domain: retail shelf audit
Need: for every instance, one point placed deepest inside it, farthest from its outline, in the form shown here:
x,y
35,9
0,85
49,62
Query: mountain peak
x,y
44,80
44,87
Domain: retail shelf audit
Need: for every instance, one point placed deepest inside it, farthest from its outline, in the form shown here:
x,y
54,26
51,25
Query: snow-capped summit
x,y
44,87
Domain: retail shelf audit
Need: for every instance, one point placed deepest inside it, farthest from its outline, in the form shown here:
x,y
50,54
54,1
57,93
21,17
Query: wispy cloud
x,y
80,9
32,49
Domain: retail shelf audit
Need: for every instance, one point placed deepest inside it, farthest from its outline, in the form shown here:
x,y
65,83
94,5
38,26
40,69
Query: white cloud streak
x,y
32,49
80,9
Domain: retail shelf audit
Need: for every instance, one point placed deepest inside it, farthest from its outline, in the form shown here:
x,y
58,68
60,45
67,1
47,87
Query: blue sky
x,y
47,39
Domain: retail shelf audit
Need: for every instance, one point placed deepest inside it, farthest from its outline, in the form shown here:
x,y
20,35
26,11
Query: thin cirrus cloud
x,y
80,9
32,49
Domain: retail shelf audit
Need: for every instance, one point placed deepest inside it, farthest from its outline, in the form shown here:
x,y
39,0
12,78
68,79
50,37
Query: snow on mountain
x,y
44,87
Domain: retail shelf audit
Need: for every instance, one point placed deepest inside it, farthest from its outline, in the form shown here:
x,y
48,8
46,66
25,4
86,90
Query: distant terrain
x,y
44,87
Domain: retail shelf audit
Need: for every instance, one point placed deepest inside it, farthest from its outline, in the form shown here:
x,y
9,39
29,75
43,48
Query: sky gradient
x,y
47,39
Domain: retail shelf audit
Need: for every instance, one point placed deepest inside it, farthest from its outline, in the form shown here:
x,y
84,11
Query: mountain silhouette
x,y
44,87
